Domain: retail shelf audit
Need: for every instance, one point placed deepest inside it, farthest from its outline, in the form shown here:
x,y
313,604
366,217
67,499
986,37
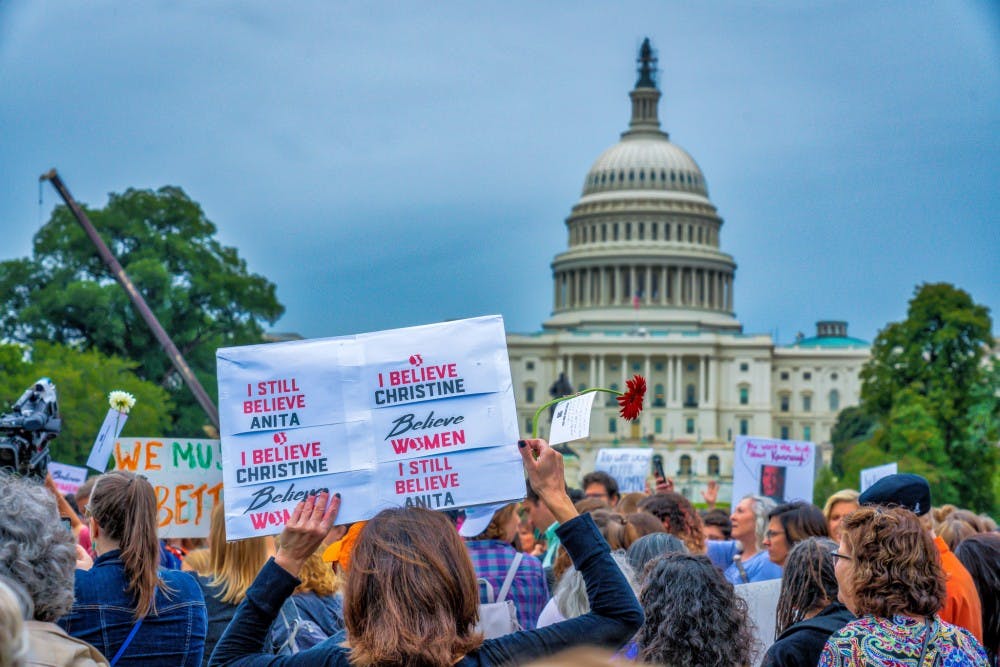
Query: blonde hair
x,y
234,565
198,561
842,496
317,576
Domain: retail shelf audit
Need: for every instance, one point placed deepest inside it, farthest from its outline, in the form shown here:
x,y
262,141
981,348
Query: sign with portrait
x,y
782,470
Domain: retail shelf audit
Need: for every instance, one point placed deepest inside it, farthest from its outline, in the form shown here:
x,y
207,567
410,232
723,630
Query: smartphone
x,y
658,466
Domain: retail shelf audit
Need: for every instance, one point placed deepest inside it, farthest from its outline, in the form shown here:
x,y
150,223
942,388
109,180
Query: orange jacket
x,y
961,606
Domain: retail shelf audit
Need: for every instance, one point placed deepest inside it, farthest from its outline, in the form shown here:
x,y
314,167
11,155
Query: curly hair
x,y
808,582
693,616
35,550
895,567
679,517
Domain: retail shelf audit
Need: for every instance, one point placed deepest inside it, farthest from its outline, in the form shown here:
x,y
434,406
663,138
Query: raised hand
x,y
544,467
711,494
305,530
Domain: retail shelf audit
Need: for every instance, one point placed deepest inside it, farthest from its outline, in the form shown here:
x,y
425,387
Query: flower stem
x,y
534,421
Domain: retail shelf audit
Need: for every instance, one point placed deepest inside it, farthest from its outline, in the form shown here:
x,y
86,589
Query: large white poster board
x,y
782,470
629,466
422,416
871,475
186,475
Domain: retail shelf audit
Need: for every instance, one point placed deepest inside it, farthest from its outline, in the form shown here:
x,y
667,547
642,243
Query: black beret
x,y
903,489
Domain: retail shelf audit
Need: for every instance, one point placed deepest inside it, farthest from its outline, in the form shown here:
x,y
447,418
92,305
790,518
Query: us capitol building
x,y
644,287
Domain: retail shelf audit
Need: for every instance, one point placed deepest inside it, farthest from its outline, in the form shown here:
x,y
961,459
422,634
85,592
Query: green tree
x,y
931,387
83,380
200,290
852,427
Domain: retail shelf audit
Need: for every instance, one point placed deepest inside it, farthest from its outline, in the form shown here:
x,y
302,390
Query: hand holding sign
x,y
304,531
544,467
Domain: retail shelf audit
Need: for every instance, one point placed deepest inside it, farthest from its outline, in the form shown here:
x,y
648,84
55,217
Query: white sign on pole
x,y
422,416
112,427
782,470
186,475
67,478
571,419
629,467
871,475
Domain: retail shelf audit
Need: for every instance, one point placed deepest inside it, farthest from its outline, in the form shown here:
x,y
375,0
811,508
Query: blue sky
x,y
390,164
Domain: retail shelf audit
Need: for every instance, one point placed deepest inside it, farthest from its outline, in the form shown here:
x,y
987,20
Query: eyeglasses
x,y
836,554
773,533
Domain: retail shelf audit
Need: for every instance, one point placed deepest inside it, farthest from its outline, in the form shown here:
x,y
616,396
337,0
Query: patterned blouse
x,y
897,642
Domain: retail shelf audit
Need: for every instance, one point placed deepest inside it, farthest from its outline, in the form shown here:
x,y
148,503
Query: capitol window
x,y
628,231
529,365
658,425
529,393
641,230
784,400
784,375
689,426
652,230
642,175
744,427
658,396
807,403
807,376
744,367
834,400
685,468
612,425
784,432
744,395
713,465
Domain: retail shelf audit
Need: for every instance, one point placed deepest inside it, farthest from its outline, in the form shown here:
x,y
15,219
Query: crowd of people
x,y
876,578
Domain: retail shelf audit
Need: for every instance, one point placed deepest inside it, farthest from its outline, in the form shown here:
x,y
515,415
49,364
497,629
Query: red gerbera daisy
x,y
631,400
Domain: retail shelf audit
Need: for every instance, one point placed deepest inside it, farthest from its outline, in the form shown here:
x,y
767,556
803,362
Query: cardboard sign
x,y
67,478
871,475
186,475
762,605
571,419
629,467
112,427
422,416
782,470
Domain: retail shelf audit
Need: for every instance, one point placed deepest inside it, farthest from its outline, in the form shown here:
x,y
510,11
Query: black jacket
x,y
800,645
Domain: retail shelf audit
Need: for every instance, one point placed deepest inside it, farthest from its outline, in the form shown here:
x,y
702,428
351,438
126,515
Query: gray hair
x,y
13,636
36,552
761,507
571,591
651,546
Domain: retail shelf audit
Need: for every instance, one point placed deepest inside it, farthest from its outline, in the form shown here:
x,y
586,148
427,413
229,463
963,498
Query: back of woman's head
x,y
612,527
640,524
410,596
679,518
234,564
954,529
693,616
497,528
980,554
650,547
799,520
808,583
317,576
895,567
124,506
36,552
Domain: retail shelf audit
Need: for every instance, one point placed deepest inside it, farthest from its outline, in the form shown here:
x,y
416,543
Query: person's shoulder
x,y
185,582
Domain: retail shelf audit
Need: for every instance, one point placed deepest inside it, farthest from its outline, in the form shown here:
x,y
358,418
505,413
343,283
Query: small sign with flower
x,y
120,403
571,419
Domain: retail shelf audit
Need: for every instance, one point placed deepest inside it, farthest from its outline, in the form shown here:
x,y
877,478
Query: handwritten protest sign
x,y
422,416
571,419
782,470
186,475
629,467
67,478
871,475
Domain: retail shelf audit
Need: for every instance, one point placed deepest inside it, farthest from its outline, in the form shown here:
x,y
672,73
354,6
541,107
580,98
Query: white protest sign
x,y
112,427
571,419
67,478
186,475
782,470
871,475
422,416
629,467
762,604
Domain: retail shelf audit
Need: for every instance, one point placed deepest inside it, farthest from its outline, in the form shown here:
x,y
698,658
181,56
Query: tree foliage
x,y
931,387
200,290
83,380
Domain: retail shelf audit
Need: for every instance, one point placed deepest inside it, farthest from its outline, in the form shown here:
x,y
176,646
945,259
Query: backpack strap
x,y
509,579
128,640
489,589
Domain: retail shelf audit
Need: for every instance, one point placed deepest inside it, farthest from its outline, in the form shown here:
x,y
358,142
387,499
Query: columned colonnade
x,y
655,285
668,370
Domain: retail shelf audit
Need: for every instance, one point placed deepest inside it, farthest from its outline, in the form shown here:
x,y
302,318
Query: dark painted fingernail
x,y
522,443
337,495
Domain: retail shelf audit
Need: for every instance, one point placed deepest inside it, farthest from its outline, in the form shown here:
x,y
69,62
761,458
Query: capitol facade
x,y
644,287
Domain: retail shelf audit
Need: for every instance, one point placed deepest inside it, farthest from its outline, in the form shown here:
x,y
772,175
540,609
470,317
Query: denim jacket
x,y
102,616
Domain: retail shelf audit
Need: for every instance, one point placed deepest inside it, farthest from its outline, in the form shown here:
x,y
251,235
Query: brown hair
x,y
612,527
640,524
679,518
124,506
411,596
629,502
895,567
495,531
234,565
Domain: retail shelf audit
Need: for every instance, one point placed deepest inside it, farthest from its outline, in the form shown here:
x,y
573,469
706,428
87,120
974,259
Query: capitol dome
x,y
644,245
